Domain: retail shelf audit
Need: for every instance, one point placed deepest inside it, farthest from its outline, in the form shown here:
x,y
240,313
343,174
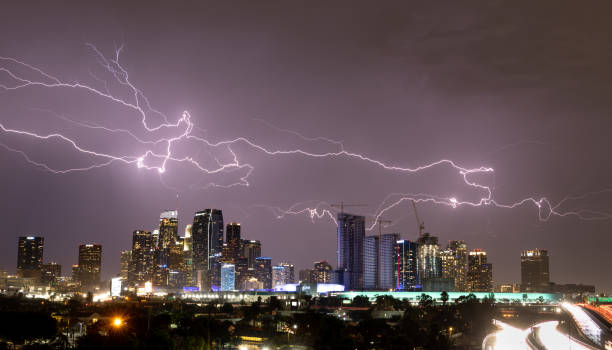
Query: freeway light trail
x,y
161,137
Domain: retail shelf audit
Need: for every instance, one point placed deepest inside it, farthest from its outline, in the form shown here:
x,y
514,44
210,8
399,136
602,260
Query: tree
x,y
361,301
444,297
426,300
227,308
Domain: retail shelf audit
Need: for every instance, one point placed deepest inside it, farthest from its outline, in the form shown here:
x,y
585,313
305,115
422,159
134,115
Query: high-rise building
x,y
405,269
306,276
90,263
228,277
321,272
251,250
50,272
387,260
126,257
370,262
233,250
535,276
351,235
454,264
429,262
30,256
168,228
282,274
188,255
141,265
207,238
480,273
263,271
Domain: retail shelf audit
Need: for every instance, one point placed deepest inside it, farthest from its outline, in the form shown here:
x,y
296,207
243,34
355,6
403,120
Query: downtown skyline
x,y
392,89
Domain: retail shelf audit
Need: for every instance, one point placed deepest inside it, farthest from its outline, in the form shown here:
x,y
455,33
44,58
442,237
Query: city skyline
x,y
407,86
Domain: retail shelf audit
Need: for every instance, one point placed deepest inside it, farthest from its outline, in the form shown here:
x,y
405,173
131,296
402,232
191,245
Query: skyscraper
x,y
454,264
387,260
429,262
283,273
168,229
321,272
207,237
535,276
263,271
480,273
50,272
188,255
251,250
30,256
306,276
227,277
90,263
126,257
234,243
370,262
351,235
141,265
405,269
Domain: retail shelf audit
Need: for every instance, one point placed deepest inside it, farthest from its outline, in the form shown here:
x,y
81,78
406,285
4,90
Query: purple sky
x,y
524,89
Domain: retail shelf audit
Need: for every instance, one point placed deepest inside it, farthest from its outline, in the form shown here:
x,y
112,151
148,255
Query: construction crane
x,y
420,224
341,205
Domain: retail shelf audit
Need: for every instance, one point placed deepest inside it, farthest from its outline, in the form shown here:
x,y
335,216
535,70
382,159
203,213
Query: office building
x,y
251,250
188,256
370,262
30,256
429,263
90,264
480,273
141,264
126,257
233,248
351,235
282,274
406,272
263,271
168,229
207,238
535,275
228,277
321,273
306,276
387,261
49,273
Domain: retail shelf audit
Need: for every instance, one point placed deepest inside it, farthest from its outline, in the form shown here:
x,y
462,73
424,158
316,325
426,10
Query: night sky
x,y
522,87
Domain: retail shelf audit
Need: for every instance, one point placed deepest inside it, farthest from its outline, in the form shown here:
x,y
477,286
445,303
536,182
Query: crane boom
x,y
420,223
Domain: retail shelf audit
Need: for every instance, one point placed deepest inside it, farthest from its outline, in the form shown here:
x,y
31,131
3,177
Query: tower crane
x,y
420,224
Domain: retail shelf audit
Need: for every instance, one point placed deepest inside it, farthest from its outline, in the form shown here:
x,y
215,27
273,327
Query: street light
x,y
117,322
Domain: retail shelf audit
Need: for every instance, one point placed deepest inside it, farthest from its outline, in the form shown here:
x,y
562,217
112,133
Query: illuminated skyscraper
x,y
227,277
126,257
480,273
370,262
322,272
207,237
263,271
168,228
188,255
50,272
233,250
351,235
454,264
535,275
251,250
30,256
90,263
429,262
405,269
141,264
282,273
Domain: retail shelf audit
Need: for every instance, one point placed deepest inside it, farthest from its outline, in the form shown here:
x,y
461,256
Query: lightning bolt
x,y
160,148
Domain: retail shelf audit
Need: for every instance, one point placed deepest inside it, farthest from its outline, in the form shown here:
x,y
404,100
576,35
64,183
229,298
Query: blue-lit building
x,y
228,274
351,235
405,269
387,260
370,262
